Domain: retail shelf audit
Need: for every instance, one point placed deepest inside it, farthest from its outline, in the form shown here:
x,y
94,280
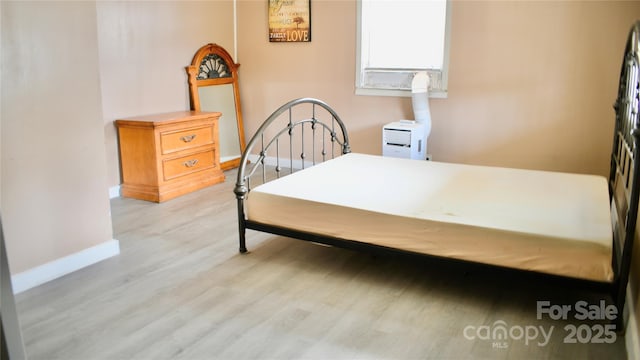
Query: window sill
x,y
433,94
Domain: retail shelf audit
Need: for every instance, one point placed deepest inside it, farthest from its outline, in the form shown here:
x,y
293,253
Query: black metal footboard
x,y
301,133
624,176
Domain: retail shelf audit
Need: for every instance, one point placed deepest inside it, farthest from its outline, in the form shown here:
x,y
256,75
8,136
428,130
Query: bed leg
x,y
619,301
243,245
242,229
619,321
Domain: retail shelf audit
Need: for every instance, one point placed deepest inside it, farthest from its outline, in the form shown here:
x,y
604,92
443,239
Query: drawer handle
x,y
188,138
190,163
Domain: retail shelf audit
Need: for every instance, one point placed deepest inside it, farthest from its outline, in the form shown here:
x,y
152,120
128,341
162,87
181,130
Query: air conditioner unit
x,y
404,139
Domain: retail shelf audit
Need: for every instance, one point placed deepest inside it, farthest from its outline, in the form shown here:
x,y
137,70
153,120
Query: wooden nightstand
x,y
166,155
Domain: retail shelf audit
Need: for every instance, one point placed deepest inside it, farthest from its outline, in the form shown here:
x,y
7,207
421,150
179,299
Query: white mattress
x,y
549,222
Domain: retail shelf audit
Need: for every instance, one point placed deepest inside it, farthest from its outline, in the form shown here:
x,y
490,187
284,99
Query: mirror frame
x,y
193,71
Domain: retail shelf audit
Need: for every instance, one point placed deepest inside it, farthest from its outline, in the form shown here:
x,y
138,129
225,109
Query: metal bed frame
x,y
624,179
247,169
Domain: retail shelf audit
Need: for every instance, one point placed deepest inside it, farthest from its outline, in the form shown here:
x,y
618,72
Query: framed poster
x,y
289,20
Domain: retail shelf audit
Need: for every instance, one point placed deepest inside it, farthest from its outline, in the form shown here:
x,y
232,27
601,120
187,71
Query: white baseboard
x,y
114,192
632,337
41,274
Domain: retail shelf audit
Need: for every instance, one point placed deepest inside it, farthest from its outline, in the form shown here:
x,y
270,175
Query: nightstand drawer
x,y
188,164
185,139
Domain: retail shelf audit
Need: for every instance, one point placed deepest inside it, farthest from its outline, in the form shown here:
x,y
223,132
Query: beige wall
x,y
144,49
531,83
54,189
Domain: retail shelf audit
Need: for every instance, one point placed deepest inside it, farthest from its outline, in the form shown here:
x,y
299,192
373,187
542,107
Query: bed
x,y
299,178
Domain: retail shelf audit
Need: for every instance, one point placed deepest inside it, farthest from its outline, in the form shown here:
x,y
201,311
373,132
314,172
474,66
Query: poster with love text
x,y
289,20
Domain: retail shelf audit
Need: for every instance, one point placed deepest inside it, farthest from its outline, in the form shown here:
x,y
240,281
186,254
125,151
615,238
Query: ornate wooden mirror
x,y
213,86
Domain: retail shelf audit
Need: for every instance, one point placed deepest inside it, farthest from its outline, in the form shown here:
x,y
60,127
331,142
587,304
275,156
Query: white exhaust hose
x,y
420,102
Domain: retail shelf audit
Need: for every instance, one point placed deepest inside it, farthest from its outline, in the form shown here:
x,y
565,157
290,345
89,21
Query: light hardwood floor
x,y
180,290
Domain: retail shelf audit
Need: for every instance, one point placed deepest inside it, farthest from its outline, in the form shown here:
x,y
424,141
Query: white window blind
x,y
397,39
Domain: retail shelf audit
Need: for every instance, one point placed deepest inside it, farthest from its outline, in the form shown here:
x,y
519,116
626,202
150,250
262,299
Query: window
x,y
398,38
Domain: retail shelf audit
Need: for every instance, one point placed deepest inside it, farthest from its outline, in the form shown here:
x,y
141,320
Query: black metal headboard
x,y
326,137
325,134
624,179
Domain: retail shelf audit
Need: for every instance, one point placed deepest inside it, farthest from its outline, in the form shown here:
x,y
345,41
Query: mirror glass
x,y
220,98
213,86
